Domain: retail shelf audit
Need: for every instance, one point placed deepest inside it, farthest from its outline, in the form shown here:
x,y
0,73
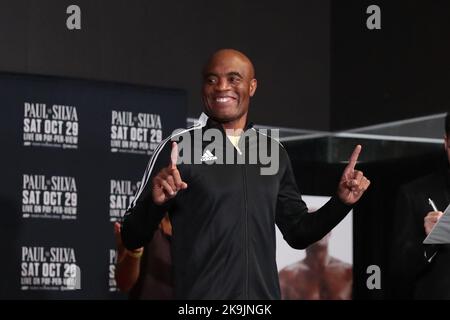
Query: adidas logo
x,y
208,156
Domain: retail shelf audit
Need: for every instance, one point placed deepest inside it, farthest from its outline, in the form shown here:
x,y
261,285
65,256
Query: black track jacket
x,y
223,244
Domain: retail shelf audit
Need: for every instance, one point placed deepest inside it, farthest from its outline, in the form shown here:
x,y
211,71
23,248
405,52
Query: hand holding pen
x,y
432,217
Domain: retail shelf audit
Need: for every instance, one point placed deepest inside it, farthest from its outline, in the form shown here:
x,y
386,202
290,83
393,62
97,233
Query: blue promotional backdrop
x,y
72,156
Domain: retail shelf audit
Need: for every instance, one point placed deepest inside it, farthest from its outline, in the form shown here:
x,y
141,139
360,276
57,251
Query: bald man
x,y
222,203
227,87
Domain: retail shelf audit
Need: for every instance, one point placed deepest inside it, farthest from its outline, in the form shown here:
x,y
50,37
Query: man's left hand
x,y
353,183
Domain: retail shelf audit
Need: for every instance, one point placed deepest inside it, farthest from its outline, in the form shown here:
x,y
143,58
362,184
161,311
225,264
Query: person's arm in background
x,y
407,257
430,220
128,263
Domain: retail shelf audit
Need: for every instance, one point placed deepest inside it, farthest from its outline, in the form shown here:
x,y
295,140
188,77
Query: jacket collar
x,y
205,121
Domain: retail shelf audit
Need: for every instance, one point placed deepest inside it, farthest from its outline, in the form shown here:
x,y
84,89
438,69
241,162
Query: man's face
x,y
447,146
228,84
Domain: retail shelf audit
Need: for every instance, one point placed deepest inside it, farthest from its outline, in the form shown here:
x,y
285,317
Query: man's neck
x,y
237,125
317,259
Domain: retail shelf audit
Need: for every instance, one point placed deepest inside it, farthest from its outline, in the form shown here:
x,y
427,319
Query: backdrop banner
x,y
73,153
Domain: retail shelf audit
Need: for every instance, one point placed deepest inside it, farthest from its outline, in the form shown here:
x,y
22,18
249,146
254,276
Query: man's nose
x,y
223,85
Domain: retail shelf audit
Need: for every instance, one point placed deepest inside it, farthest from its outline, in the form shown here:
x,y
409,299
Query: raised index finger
x,y
354,158
174,156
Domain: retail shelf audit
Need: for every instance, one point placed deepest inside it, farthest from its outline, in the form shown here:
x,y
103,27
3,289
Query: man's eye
x,y
235,79
211,80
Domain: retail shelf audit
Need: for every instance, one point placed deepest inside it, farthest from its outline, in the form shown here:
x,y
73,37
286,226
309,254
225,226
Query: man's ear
x,y
253,85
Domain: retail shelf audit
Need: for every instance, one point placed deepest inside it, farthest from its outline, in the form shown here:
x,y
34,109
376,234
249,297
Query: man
x,y
223,215
421,271
318,276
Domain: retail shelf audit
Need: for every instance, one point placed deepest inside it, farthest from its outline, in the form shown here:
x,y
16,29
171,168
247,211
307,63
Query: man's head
x,y
447,136
228,84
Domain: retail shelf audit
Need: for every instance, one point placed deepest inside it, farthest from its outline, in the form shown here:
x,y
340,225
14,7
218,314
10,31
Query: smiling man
x,y
228,84
223,215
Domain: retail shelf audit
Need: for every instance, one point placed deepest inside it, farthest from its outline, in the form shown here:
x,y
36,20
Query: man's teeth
x,y
223,99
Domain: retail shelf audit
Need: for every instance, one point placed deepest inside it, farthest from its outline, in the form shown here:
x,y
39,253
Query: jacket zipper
x,y
244,175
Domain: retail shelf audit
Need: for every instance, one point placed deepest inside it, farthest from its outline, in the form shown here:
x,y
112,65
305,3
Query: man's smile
x,y
223,100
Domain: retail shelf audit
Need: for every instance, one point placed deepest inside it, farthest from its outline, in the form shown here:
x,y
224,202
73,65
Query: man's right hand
x,y
430,220
167,183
